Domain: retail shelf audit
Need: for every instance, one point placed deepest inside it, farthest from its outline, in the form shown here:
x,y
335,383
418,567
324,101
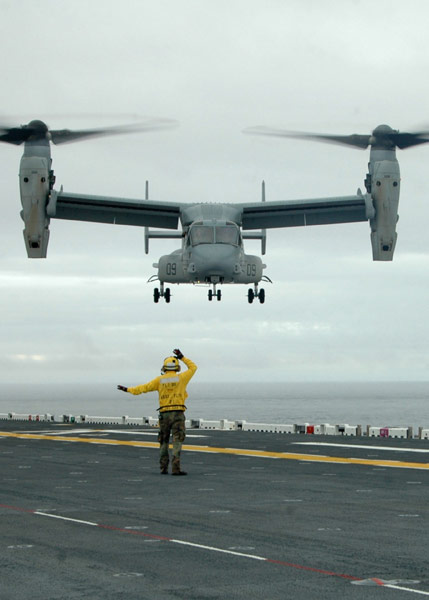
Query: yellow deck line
x,y
234,451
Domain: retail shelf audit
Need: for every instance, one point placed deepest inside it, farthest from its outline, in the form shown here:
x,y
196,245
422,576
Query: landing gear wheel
x,y
210,295
156,295
167,294
250,296
219,295
261,295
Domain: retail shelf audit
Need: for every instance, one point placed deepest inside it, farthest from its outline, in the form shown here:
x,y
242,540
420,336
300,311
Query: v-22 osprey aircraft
x,y
211,234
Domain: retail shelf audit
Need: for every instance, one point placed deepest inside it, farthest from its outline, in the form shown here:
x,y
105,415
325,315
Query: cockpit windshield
x,y
202,234
214,234
227,234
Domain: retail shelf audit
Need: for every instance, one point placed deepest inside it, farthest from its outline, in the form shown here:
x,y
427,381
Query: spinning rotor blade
x,y
407,140
63,136
38,130
383,137
360,141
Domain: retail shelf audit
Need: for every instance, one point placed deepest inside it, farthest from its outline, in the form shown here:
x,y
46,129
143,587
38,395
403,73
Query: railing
x,y
225,425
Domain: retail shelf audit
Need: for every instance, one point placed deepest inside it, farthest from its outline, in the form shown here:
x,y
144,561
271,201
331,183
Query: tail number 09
x,y
251,269
171,268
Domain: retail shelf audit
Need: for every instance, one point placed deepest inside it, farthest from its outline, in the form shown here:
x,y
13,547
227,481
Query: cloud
x,y
28,358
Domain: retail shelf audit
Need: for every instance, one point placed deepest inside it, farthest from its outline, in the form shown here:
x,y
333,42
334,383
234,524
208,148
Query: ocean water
x,y
384,404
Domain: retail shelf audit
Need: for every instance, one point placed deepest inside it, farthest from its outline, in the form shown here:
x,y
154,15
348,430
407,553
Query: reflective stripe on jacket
x,y
171,387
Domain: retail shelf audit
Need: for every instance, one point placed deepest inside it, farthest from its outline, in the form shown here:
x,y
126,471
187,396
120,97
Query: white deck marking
x,y
103,432
43,514
214,549
387,448
399,587
392,583
136,432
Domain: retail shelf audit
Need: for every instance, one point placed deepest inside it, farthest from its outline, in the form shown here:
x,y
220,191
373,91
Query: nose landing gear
x,y
214,293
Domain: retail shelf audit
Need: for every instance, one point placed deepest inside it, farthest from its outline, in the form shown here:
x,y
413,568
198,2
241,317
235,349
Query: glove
x,y
122,388
178,354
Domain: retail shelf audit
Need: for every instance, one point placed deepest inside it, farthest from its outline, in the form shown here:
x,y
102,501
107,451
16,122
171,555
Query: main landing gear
x,y
161,293
256,293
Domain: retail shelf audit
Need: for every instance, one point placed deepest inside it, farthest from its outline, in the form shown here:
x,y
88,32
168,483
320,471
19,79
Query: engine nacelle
x,y
34,186
170,268
251,270
385,196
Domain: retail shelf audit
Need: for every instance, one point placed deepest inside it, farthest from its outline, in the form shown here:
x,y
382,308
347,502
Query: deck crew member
x,y
171,388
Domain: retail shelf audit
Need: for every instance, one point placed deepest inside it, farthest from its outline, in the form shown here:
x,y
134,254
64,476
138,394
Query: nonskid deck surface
x,y
85,513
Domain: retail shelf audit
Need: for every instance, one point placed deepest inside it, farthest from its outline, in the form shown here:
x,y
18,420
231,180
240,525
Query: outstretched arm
x,y
151,386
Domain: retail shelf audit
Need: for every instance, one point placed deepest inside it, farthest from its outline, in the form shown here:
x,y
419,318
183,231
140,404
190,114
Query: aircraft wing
x,y
120,211
296,213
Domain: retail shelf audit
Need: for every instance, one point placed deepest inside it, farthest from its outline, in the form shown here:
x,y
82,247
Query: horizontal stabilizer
x,y
255,235
165,235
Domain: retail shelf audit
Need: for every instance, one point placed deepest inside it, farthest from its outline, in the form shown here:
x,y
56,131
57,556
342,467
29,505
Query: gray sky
x,y
341,66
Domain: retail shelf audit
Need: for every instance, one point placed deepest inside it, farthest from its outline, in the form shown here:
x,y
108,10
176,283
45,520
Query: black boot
x,y
176,467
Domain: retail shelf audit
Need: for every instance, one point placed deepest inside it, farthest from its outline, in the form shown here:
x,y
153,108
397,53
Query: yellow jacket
x,y
171,387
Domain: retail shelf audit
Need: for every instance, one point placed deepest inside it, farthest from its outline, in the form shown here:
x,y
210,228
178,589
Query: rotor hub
x,y
38,126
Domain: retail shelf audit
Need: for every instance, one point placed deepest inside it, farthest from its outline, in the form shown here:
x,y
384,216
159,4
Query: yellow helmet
x,y
171,363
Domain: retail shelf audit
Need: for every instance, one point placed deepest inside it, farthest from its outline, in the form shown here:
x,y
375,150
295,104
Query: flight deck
x,y
85,513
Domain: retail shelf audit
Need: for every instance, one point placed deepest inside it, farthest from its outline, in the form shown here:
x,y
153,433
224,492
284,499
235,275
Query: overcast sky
x,y
86,312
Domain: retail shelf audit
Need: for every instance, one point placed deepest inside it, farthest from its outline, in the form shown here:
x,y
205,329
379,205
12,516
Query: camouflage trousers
x,y
171,422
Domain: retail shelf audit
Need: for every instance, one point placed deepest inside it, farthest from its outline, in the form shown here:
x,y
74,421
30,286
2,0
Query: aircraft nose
x,y
214,260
